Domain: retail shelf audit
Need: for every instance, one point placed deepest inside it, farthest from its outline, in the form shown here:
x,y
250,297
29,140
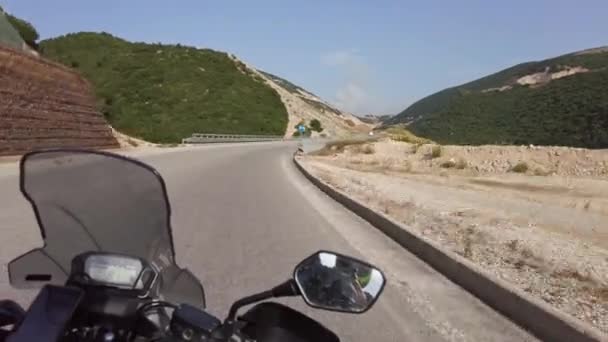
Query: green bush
x,y
164,93
315,125
448,164
26,30
520,167
461,164
436,151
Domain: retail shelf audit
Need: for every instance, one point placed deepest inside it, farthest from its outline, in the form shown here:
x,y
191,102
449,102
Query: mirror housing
x,y
336,282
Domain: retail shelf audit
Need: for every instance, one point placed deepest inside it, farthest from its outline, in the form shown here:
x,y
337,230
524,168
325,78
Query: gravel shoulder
x,y
544,234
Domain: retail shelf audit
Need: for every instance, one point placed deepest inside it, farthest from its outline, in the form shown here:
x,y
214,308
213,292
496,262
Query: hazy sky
x,y
363,55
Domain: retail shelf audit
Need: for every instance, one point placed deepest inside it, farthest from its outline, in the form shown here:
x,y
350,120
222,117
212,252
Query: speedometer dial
x,y
114,270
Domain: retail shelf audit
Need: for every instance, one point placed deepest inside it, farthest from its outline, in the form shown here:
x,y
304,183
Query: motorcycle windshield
x,y
92,201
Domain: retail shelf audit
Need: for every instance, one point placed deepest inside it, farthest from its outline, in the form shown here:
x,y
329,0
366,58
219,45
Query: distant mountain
x,y
374,119
304,106
558,101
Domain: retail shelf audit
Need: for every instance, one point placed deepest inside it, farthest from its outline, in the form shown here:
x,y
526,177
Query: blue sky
x,y
363,55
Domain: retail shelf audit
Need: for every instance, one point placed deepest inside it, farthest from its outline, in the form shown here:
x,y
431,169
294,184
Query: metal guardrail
x,y
203,138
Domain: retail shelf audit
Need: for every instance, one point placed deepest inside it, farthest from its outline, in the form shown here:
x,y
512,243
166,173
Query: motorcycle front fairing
x,y
88,201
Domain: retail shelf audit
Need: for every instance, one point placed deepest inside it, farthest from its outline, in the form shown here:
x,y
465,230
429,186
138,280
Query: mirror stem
x,y
287,289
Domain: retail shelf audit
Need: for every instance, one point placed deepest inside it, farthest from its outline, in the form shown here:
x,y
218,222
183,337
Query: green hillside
x,y
571,111
163,93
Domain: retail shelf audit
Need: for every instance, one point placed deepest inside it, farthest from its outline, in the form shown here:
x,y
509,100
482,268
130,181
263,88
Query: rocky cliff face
x,y
43,104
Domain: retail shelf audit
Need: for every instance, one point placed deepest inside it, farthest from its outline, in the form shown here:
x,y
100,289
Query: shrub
x,y
365,149
448,164
539,171
461,164
436,151
520,167
368,149
315,125
416,147
27,32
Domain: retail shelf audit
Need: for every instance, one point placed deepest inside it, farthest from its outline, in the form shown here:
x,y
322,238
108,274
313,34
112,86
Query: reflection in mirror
x,y
336,282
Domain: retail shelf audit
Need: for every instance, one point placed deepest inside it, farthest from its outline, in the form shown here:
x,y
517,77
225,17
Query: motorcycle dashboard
x,y
114,270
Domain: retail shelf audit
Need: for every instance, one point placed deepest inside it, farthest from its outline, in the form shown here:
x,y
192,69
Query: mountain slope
x,y
558,101
163,93
303,105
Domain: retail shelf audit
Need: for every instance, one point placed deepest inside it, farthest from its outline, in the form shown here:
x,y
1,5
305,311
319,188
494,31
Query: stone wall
x,y
44,104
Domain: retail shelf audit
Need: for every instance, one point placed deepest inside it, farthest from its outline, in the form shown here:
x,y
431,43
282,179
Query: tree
x,y
315,125
27,32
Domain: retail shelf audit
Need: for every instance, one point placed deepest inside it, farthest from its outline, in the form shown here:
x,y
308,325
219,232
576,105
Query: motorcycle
x,y
107,270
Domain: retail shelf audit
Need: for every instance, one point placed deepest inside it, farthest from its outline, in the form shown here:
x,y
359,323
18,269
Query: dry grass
x,y
363,149
572,274
513,244
407,167
416,148
368,149
601,293
468,243
132,142
169,145
402,134
539,171
338,146
587,205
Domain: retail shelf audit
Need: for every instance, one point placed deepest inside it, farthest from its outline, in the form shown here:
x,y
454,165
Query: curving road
x,y
243,216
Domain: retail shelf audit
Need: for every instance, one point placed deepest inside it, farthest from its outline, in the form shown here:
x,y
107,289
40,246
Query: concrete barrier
x,y
544,321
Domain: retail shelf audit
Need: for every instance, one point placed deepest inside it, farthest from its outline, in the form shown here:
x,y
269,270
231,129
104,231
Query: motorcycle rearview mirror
x,y
329,281
335,282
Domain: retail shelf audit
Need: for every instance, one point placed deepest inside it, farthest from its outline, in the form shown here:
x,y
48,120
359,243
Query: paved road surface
x,y
243,217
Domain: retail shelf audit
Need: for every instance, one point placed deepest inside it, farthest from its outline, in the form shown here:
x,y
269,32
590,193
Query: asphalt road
x,y
243,216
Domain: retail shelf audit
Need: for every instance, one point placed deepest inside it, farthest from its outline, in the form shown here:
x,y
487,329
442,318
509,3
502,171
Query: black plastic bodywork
x,y
49,315
274,322
193,323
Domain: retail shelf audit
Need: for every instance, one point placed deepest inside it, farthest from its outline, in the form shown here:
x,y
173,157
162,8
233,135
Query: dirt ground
x,y
542,227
